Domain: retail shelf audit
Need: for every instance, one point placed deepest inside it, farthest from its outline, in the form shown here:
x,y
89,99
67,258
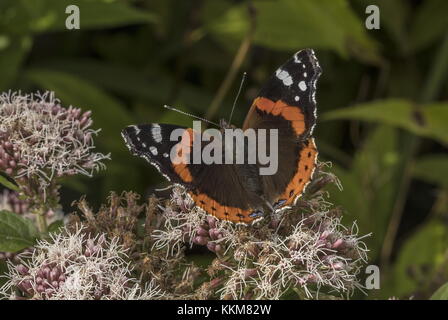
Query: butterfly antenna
x,y
237,95
190,115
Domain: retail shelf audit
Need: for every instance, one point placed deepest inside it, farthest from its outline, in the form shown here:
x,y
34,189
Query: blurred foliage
x,y
16,232
382,98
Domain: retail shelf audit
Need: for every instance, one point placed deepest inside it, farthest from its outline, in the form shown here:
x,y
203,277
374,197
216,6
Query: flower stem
x,y
41,220
236,64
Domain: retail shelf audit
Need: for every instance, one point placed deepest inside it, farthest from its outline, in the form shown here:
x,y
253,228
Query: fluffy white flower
x,y
41,139
75,266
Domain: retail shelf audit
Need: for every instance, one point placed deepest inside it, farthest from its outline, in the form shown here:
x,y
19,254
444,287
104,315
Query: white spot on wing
x,y
156,133
302,85
153,150
284,76
297,98
137,129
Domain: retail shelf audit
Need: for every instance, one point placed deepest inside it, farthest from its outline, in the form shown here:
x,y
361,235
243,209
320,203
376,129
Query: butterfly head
x,y
223,124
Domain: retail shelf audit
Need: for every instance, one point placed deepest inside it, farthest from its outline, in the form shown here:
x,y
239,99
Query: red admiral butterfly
x,y
237,192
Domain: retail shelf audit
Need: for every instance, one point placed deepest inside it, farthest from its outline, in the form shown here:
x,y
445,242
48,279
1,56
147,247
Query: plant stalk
x,y
236,65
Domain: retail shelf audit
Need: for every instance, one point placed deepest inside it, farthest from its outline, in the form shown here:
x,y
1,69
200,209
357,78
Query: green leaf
x,y
108,114
154,89
425,249
441,293
427,120
375,166
433,169
370,185
49,15
291,24
394,16
55,226
226,23
16,233
429,25
8,184
116,78
13,51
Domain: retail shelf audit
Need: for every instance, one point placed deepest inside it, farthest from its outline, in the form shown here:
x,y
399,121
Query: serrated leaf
x,y
16,232
426,120
441,293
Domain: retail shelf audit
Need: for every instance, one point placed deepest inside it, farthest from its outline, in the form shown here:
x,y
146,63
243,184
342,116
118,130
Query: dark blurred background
x,y
382,98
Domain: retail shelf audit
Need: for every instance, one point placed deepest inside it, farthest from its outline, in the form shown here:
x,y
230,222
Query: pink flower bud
x,y
250,273
22,269
338,265
338,243
200,240
324,235
202,232
211,246
211,221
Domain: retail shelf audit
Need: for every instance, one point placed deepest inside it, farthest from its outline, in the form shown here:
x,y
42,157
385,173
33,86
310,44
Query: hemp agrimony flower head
x,y
73,265
41,140
125,219
305,250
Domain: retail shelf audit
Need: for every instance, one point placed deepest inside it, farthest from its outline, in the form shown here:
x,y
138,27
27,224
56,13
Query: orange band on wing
x,y
221,212
305,169
181,160
280,108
